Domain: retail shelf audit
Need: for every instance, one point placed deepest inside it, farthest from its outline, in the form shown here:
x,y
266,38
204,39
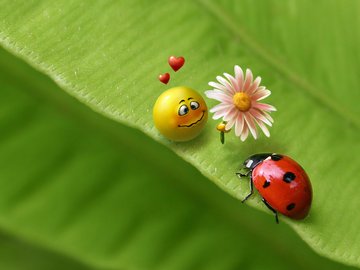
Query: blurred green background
x,y
82,191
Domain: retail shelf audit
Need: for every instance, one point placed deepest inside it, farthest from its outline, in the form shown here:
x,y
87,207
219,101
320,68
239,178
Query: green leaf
x,y
80,193
108,55
76,185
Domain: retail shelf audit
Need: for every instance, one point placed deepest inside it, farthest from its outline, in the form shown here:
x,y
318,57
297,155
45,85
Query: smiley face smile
x,y
203,113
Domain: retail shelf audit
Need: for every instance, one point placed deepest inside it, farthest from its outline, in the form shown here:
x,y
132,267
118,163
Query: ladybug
x,y
282,183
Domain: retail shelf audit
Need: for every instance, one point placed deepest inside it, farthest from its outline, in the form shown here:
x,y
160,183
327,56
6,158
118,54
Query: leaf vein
x,y
253,45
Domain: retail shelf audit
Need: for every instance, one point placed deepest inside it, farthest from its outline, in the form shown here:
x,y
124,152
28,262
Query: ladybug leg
x,y
271,209
242,174
245,173
251,191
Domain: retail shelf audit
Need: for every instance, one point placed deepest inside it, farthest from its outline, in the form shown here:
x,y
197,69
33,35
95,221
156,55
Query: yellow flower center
x,y
242,101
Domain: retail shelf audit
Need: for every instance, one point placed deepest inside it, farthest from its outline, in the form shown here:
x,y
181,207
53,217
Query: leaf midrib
x,y
276,63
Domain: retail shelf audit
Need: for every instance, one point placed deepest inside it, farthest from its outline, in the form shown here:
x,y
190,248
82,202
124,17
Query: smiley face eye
x,y
194,105
183,110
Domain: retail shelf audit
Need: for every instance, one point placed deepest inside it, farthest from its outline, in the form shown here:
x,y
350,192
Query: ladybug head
x,y
254,160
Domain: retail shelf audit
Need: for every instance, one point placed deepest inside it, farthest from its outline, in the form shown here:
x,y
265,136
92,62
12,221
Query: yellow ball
x,y
180,113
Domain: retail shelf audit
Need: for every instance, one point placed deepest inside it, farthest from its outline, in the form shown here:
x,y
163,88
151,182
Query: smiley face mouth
x,y
203,113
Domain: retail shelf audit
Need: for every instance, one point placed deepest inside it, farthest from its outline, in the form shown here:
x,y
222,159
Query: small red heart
x,y
164,78
176,62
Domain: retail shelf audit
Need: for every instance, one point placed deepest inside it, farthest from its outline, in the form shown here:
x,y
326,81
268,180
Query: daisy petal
x,y
230,123
258,116
239,77
254,86
261,94
260,88
233,111
220,107
251,125
224,82
264,107
234,83
218,86
219,95
239,125
244,134
267,116
263,127
219,114
248,80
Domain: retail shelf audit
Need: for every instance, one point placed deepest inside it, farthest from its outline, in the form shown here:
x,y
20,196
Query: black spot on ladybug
x,y
266,184
276,157
290,207
288,177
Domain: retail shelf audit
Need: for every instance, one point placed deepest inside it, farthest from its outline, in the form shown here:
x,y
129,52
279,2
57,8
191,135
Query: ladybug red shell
x,y
282,183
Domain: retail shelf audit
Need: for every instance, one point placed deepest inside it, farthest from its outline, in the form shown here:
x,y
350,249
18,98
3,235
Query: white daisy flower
x,y
239,103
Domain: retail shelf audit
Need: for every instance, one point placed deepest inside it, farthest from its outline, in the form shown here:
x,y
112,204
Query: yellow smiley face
x,y
180,113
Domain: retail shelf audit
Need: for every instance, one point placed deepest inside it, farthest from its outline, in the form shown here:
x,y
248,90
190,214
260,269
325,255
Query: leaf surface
x,y
92,190
109,54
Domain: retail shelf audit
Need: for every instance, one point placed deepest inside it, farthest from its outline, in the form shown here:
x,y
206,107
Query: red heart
x,y
176,62
164,78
